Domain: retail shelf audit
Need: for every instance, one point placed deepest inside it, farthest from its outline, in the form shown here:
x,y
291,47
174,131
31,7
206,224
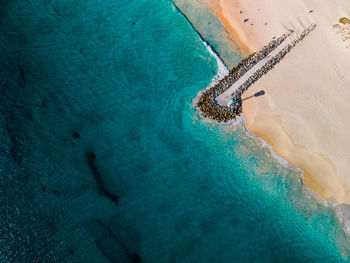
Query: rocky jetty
x,y
206,102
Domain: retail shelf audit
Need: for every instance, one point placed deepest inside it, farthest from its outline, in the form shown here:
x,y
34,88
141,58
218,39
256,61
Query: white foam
x,y
269,148
222,69
343,214
221,72
240,121
342,210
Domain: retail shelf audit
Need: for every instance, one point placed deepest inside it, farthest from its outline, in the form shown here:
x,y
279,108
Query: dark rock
x,y
21,70
76,135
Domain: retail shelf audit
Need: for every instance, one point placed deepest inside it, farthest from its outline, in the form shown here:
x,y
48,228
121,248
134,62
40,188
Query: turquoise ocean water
x,y
104,159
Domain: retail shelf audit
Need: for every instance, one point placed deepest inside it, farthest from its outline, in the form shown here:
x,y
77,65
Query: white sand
x,y
225,97
305,113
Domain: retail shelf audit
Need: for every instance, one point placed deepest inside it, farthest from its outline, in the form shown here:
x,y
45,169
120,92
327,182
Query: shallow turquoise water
x,y
114,80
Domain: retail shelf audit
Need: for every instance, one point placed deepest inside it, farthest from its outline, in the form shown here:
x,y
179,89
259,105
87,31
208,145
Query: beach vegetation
x,y
344,20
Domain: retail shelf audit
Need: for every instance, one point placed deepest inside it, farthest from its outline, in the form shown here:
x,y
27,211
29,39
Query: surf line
x,y
223,101
201,37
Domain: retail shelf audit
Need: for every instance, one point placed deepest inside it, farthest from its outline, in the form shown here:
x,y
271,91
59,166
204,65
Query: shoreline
x,y
261,140
209,28
201,37
223,101
287,122
319,174
231,29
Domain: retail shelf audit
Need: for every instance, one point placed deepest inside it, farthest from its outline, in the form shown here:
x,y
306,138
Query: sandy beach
x,y
305,113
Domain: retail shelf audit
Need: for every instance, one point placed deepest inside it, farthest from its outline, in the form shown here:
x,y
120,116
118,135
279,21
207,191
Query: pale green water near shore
x,y
115,80
211,29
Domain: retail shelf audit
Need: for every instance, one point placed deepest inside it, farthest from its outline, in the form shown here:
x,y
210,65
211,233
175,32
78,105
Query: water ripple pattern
x,y
103,158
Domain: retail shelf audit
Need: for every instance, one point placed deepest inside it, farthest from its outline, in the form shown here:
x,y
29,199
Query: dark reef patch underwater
x,y
104,159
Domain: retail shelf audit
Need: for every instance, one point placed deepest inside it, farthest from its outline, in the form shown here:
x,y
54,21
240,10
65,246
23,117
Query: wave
x,y
241,122
222,69
342,210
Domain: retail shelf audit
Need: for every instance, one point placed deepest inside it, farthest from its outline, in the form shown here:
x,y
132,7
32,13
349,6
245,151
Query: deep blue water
x,y
103,158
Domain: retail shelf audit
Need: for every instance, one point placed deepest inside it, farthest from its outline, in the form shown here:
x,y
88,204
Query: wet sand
x,y
305,113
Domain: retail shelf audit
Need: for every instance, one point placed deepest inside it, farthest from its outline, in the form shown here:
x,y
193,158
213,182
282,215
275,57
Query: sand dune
x,y
305,114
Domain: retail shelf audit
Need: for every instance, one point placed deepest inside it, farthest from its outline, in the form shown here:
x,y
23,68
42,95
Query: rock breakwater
x,y
207,104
